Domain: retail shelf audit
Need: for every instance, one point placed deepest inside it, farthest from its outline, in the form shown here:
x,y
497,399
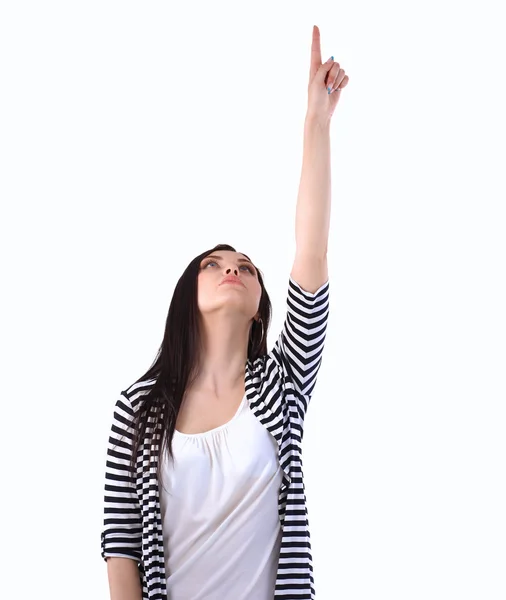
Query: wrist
x,y
314,122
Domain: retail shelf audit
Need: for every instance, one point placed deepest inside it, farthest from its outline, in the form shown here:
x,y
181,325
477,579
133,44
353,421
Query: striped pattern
x,y
279,387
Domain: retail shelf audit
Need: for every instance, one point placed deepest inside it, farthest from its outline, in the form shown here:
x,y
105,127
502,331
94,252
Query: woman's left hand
x,y
321,103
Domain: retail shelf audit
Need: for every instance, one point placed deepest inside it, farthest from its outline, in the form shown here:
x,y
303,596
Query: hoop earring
x,y
259,343
262,324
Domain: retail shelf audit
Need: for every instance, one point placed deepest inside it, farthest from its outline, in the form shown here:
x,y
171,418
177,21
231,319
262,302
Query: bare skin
x,y
227,313
124,583
201,412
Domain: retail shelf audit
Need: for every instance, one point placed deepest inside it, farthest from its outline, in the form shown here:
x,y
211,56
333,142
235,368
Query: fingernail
x,y
329,88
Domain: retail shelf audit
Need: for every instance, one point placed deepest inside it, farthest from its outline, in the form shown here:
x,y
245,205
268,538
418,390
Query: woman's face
x,y
213,294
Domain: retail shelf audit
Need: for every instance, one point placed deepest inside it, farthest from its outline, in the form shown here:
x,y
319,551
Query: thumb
x,y
324,69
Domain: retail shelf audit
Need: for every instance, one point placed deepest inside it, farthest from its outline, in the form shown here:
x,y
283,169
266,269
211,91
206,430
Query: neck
x,y
223,354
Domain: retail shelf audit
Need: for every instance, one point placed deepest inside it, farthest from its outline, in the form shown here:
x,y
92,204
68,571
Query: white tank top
x,y
219,504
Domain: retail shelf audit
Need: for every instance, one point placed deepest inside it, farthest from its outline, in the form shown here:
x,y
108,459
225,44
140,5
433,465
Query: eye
x,y
210,262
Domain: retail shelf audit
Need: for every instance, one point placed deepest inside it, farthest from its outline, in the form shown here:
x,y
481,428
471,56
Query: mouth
x,y
233,280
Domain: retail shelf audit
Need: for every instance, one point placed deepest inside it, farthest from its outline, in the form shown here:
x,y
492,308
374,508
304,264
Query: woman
x,y
204,494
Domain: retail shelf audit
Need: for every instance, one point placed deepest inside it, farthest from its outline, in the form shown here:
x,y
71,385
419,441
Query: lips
x,y
232,279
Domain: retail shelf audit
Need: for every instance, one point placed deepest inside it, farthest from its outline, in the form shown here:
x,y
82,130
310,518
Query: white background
x,y
134,136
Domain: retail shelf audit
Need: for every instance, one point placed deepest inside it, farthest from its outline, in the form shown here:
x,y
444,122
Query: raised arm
x,y
312,219
299,347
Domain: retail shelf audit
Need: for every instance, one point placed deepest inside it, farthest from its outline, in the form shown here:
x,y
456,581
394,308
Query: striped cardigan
x,y
278,386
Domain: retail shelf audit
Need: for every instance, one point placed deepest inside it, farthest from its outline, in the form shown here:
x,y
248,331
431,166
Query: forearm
x,y
124,582
312,217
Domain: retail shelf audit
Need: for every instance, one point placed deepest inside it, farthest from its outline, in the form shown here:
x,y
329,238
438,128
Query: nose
x,y
235,272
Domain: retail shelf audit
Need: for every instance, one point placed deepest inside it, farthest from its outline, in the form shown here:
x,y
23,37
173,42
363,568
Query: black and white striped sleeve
x,y
299,347
122,531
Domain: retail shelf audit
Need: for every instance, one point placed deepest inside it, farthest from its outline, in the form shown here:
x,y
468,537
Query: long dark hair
x,y
176,364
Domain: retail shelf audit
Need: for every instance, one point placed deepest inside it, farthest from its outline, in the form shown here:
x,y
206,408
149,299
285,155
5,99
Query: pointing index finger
x,y
316,53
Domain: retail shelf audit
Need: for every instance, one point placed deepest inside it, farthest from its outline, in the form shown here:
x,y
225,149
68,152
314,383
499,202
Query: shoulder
x,y
134,394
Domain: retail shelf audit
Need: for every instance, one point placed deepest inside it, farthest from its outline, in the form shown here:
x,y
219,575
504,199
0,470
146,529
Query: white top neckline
x,y
210,432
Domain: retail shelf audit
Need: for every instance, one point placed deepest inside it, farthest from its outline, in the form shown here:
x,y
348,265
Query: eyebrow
x,y
240,260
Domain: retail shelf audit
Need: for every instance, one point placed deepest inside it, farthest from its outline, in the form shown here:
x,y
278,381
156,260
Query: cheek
x,y
202,293
258,293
